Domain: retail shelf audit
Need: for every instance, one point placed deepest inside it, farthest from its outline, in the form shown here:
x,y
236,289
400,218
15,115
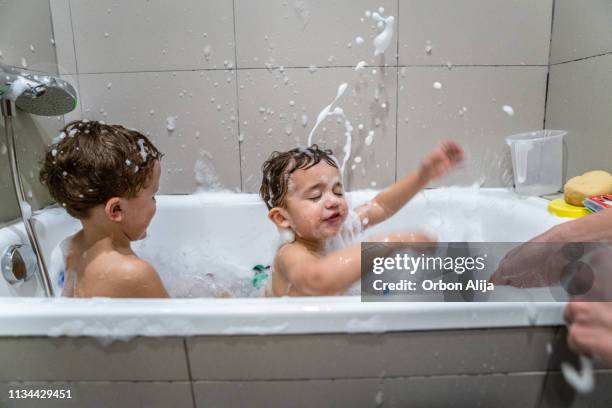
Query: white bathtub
x,y
225,234
262,352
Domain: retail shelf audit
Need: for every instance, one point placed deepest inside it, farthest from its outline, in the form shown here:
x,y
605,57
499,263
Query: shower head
x,y
37,94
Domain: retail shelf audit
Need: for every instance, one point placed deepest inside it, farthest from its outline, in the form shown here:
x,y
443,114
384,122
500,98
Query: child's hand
x,y
441,160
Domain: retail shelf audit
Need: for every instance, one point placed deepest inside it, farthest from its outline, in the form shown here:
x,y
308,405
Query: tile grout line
x,y
320,67
298,379
189,372
53,38
76,61
397,52
237,98
582,59
546,90
55,49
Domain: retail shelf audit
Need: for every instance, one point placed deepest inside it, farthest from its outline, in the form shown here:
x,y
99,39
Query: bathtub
x,y
228,351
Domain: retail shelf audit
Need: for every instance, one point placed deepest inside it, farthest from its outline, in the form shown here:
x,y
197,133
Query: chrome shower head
x,y
36,94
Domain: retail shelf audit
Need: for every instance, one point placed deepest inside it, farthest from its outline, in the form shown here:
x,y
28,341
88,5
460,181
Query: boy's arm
x,y
315,276
389,201
334,273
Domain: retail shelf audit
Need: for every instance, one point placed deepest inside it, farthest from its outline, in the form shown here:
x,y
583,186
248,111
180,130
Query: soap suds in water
x,y
143,152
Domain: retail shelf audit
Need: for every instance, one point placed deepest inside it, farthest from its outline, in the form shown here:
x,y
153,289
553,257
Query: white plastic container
x,y
537,160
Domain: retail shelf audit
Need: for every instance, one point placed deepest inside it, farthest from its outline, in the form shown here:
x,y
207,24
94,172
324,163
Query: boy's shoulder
x,y
293,252
126,275
128,266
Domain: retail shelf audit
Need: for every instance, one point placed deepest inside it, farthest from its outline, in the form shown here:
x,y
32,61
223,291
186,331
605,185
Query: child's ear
x,y
113,209
279,217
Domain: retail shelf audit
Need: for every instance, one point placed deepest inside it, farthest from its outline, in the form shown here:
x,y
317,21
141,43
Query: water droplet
x,y
428,47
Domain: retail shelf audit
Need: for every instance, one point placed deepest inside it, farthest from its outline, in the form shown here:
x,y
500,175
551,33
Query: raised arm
x,y
389,201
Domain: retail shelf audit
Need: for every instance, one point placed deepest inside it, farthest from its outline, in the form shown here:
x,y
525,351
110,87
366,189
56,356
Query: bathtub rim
x,y
125,318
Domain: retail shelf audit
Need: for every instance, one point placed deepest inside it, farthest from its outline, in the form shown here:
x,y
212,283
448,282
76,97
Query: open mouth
x,y
335,217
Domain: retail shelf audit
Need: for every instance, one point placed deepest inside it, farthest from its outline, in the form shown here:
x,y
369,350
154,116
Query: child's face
x,y
139,210
315,202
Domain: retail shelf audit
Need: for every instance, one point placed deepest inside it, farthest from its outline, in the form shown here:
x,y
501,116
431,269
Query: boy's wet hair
x,y
280,165
91,162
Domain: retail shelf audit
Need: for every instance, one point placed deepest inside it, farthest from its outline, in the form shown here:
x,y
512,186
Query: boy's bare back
x,y
106,271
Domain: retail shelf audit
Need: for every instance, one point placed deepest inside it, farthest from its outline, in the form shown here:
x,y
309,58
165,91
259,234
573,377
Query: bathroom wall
x,y
495,367
219,85
580,85
26,41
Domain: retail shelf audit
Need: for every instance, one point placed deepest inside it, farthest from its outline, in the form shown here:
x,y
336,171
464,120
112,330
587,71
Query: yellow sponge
x,y
589,184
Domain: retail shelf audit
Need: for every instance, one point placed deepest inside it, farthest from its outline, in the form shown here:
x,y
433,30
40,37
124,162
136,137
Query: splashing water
x,y
583,381
428,47
383,40
325,112
171,123
205,175
508,109
369,138
360,65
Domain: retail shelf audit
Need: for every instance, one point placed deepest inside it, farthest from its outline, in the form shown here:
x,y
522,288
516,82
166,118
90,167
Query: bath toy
x,y
598,203
260,275
562,209
590,184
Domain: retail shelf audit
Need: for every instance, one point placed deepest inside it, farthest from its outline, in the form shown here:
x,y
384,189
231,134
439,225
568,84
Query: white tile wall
x,y
581,29
31,134
309,32
202,106
26,35
128,36
362,356
129,43
579,101
468,108
26,38
461,391
279,109
64,40
475,32
84,359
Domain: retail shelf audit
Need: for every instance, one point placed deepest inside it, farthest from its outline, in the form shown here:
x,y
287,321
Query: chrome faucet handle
x,y
18,263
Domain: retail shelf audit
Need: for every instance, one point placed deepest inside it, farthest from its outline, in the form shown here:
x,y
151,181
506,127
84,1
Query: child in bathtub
x,y
106,176
303,191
